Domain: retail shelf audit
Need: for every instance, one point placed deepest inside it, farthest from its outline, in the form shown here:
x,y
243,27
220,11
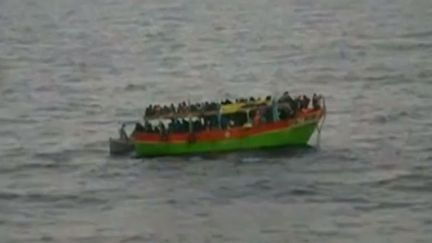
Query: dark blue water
x,y
71,71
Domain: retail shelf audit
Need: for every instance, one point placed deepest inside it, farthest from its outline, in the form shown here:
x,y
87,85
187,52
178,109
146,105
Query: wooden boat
x,y
294,131
118,146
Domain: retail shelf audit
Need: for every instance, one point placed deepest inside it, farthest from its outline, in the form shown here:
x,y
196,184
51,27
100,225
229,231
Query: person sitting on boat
x,y
298,103
201,125
208,125
263,111
257,118
179,108
213,106
167,109
172,108
171,125
162,129
157,110
210,106
149,110
206,106
201,107
176,126
315,102
161,110
283,113
286,98
305,102
184,126
186,108
138,129
214,121
148,127
224,122
231,124
228,102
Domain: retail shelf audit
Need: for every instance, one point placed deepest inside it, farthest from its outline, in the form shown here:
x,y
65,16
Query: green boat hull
x,y
297,135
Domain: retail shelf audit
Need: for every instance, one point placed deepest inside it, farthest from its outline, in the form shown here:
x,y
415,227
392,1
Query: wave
x,y
385,177
386,205
135,87
417,34
81,199
298,191
403,46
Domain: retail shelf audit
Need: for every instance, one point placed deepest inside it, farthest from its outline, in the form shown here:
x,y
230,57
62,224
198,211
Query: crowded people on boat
x,y
182,108
207,115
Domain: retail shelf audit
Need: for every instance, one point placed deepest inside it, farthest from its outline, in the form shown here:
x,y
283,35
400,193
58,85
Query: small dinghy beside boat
x,y
122,145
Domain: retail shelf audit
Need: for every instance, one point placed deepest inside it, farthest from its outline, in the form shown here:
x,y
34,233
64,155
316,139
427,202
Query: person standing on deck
x,y
305,102
257,118
315,102
122,133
